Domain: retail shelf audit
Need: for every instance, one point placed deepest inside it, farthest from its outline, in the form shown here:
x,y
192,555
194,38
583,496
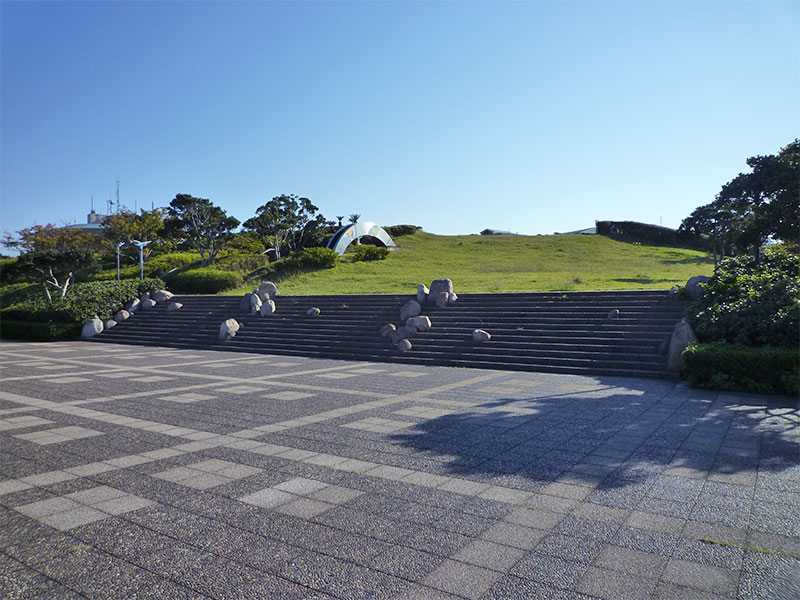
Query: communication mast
x,y
117,195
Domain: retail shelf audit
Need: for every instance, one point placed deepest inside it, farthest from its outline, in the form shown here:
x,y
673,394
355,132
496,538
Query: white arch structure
x,y
350,233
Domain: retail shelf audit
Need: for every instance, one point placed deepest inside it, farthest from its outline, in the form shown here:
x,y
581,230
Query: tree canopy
x,y
199,223
754,207
287,220
53,255
127,225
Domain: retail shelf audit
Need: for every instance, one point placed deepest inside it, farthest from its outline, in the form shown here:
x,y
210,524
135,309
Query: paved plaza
x,y
135,472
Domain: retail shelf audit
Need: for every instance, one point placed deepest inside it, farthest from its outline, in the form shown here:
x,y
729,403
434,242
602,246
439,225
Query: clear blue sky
x,y
530,116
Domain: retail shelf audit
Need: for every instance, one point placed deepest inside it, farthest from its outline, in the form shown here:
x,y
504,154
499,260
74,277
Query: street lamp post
x,y
141,257
119,245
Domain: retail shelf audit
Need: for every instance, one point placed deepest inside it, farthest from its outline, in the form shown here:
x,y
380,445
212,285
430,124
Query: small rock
x,y
92,327
453,297
614,314
121,315
410,309
109,324
438,286
313,312
162,295
133,305
255,303
268,288
404,345
228,329
422,293
388,329
479,335
267,308
420,323
145,296
149,303
174,306
442,299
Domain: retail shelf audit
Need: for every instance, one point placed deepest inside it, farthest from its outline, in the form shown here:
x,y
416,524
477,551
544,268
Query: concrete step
x,y
565,332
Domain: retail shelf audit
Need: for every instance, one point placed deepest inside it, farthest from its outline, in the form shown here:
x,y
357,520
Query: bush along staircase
x,y
622,333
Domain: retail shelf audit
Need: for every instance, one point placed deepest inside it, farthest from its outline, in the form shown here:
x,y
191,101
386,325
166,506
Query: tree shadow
x,y
614,437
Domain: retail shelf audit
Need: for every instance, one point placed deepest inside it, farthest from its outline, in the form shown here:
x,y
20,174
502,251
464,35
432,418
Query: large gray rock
x,y
92,327
121,315
695,286
173,306
162,295
149,303
410,309
438,286
109,324
682,335
442,299
388,329
268,288
404,345
228,329
479,335
422,293
244,303
133,305
420,323
255,303
145,296
267,308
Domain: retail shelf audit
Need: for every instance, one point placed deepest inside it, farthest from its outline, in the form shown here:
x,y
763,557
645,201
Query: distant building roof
x,y
497,232
587,231
94,223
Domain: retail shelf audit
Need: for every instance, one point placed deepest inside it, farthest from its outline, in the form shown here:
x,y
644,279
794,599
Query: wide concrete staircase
x,y
556,332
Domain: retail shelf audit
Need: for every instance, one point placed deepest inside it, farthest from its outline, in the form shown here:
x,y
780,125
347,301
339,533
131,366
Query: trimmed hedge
x,y
398,230
203,281
650,233
734,367
369,253
38,332
102,298
312,258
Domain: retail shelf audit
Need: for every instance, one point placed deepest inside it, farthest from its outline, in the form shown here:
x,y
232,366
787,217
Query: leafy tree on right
x,y
754,207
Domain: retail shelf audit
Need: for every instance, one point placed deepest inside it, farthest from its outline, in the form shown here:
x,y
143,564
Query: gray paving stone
x,y
701,577
462,579
614,585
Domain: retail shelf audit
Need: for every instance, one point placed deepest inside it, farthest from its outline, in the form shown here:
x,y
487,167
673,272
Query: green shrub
x,y
398,230
38,332
733,367
203,281
368,253
244,263
10,271
746,303
28,303
312,258
155,267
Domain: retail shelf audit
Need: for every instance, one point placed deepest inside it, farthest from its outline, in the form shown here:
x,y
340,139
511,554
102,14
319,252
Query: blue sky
x,y
530,116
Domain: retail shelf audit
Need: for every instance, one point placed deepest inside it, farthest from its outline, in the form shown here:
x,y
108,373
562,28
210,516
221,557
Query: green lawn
x,y
507,264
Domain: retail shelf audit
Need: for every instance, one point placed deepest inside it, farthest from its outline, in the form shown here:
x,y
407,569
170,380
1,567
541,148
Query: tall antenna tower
x,y
117,195
109,204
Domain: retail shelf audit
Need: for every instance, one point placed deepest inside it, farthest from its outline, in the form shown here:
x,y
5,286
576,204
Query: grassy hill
x,y
507,264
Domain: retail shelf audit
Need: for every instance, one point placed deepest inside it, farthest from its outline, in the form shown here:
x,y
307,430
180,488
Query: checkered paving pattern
x,y
167,474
